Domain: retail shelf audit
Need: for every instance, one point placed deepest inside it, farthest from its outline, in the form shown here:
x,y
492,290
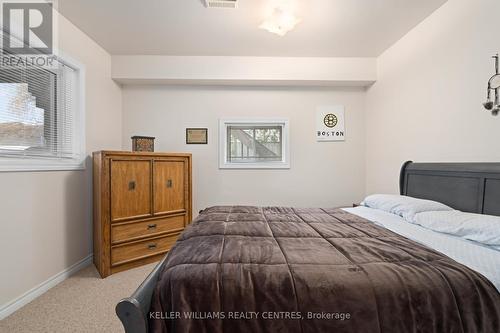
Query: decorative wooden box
x,y
143,143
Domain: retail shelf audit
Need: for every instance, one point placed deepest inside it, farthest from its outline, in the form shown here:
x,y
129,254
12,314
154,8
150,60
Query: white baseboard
x,y
19,302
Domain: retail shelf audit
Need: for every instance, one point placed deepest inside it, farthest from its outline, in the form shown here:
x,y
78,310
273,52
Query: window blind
x,y
38,112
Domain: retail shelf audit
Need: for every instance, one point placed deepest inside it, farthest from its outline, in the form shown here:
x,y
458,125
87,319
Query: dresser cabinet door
x,y
169,186
130,189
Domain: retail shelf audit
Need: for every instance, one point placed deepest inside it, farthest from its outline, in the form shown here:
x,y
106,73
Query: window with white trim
x,y
41,118
254,144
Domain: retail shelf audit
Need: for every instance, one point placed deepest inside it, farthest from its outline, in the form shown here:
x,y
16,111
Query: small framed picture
x,y
196,136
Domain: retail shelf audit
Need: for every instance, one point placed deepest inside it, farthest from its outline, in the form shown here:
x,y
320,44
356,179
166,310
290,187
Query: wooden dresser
x,y
142,202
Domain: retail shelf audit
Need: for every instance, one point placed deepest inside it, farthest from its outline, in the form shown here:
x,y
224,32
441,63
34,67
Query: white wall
x,y
46,216
426,103
321,175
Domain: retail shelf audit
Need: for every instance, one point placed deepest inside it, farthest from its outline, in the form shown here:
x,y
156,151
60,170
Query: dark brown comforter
x,y
275,269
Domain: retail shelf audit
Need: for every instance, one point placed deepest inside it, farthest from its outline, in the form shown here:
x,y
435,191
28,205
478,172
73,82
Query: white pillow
x,y
484,229
403,206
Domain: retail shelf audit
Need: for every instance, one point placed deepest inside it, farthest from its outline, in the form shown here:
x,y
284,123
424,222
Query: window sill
x,y
278,165
34,165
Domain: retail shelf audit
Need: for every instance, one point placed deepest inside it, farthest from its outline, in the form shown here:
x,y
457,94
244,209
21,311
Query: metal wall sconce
x,y
494,86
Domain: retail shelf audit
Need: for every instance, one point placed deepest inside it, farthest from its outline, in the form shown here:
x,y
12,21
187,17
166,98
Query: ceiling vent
x,y
221,3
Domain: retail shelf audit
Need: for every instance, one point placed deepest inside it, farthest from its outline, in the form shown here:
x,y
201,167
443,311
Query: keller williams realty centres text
x,y
249,315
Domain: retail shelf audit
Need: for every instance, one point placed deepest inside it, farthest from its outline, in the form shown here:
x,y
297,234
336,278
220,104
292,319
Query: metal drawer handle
x,y
152,246
151,226
131,185
169,183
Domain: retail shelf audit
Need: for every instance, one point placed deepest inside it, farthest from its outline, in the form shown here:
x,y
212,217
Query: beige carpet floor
x,y
82,303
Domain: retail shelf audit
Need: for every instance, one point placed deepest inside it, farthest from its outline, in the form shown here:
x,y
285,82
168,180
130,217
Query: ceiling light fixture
x,y
281,20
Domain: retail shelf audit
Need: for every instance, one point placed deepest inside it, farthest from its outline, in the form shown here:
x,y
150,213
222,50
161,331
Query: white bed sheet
x,y
479,258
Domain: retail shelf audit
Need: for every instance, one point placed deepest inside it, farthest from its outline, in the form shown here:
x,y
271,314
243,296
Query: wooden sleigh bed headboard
x,y
469,187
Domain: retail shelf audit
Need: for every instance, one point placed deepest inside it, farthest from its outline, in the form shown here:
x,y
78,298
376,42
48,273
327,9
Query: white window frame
x,y
35,163
285,132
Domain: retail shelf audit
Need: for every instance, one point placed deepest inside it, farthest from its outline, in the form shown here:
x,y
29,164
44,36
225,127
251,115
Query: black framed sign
x,y
196,136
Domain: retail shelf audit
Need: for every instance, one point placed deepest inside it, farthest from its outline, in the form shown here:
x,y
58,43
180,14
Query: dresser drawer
x,y
131,231
127,252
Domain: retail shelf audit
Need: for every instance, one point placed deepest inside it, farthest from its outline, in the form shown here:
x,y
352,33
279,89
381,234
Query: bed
x,y
271,269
